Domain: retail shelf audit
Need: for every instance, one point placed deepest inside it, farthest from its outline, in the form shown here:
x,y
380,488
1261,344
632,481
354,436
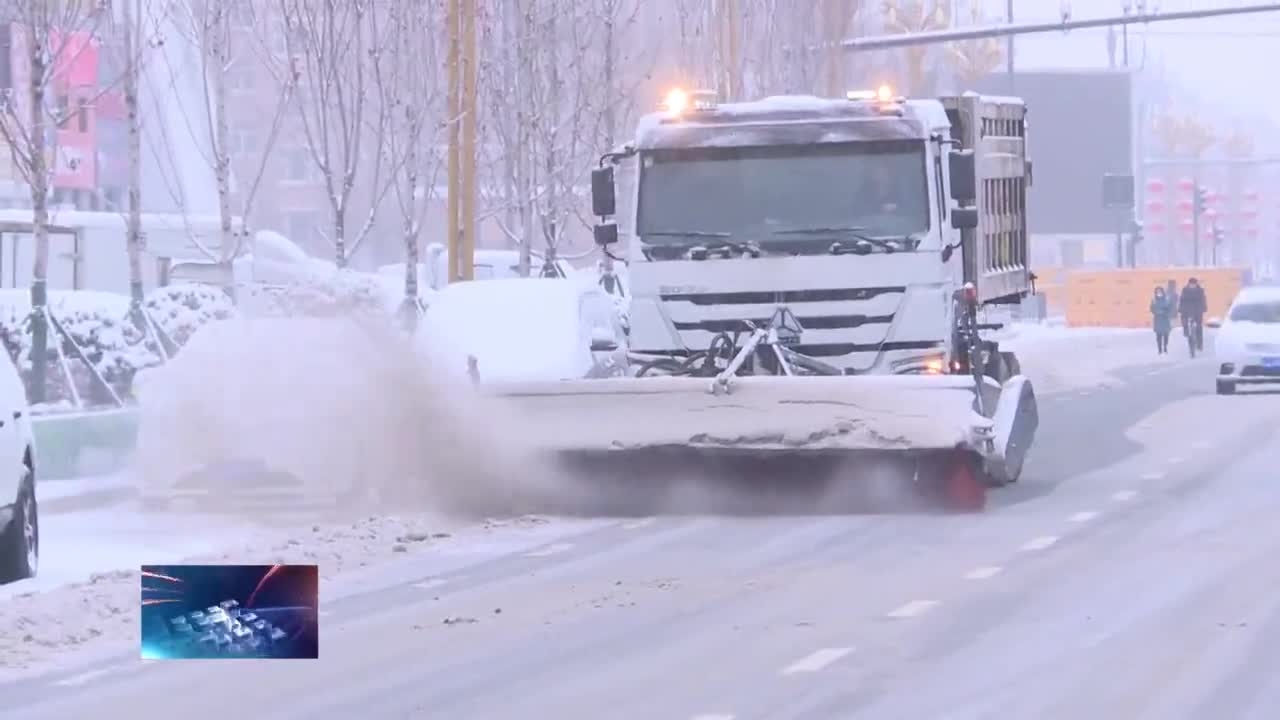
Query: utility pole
x,y
461,25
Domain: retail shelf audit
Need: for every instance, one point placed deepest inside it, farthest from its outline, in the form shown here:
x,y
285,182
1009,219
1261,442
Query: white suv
x,y
19,514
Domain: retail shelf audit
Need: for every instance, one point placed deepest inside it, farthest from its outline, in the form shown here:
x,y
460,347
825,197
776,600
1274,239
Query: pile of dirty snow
x,y
99,617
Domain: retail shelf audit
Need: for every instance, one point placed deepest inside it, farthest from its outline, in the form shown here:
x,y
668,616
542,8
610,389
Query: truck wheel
x,y
1226,387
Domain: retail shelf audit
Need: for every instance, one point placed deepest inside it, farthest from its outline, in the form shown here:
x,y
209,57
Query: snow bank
x,y
517,329
1060,359
99,617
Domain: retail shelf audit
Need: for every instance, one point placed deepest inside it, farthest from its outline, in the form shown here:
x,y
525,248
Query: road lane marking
x,y
982,573
85,677
430,583
1040,543
555,549
1175,459
713,716
816,661
913,608
1124,496
637,524
1153,475
1083,517
1201,445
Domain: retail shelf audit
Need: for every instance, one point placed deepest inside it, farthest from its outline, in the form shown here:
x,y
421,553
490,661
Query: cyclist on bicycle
x,y
1193,305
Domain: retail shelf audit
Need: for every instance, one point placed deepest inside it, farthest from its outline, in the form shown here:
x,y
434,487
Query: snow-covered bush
x,y
97,324
179,310
342,292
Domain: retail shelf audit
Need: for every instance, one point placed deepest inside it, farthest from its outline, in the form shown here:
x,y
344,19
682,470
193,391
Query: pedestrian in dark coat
x,y
1162,312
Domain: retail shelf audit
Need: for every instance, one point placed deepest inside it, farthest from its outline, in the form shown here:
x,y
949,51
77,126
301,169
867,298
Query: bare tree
x,y
407,82
333,47
140,35
226,36
50,37
543,102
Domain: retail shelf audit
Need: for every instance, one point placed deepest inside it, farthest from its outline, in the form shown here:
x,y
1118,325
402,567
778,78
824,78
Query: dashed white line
x,y
1124,495
555,549
815,661
913,608
713,716
1201,445
430,583
982,573
1175,459
1153,475
324,613
1040,543
85,677
637,524
1083,516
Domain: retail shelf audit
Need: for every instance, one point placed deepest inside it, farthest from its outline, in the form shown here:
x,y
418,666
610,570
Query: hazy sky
x,y
1219,62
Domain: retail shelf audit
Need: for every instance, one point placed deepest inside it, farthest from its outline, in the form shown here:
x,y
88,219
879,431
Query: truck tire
x,y
1226,387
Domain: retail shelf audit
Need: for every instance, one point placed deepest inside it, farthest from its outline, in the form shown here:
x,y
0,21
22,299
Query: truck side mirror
x,y
603,202
965,218
963,176
605,234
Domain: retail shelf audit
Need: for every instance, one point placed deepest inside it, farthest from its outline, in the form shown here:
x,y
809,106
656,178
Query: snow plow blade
x,y
789,430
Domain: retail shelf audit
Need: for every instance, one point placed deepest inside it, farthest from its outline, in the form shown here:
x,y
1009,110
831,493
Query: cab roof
x,y
791,120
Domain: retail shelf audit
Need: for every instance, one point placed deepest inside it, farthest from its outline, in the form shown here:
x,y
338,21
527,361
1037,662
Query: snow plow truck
x,y
807,276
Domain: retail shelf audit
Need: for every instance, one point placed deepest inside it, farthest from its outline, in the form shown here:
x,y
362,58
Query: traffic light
x,y
1218,235
1136,232
1201,200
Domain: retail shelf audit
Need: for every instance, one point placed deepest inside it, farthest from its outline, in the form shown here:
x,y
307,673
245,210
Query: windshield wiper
x,y
861,247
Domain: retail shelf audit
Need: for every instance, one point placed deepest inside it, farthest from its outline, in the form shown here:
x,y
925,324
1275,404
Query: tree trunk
x,y
409,308
522,33
39,179
340,236
133,236
221,130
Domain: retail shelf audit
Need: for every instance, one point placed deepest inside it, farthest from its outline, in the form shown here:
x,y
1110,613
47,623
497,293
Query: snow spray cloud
x,y
340,408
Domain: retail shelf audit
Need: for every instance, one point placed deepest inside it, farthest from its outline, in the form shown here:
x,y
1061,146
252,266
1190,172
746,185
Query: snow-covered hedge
x,y
98,325
182,309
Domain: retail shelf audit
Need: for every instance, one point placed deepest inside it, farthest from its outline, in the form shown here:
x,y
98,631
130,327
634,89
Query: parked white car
x,y
525,329
1248,340
19,512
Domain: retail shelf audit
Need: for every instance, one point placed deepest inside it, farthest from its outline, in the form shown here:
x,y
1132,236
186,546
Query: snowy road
x,y
1131,575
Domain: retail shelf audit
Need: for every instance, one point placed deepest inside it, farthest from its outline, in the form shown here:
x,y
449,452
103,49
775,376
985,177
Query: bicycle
x,y
1193,329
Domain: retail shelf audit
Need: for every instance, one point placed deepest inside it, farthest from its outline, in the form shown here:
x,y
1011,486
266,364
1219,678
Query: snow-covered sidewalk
x,y
84,605
1062,359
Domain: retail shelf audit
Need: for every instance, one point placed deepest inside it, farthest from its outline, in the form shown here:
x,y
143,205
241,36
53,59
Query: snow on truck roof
x,y
791,120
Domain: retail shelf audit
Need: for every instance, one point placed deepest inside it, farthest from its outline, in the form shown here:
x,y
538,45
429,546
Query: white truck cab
x,y
849,212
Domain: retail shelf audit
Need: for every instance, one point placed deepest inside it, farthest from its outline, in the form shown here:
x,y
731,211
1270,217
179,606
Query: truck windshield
x,y
761,193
